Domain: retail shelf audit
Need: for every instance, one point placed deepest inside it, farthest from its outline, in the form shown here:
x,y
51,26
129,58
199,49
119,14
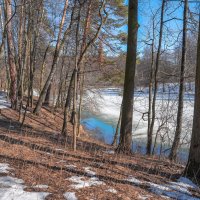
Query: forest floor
x,y
51,170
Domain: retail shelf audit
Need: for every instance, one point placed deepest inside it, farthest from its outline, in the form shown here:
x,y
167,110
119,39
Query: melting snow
x,y
112,190
80,183
145,197
13,188
70,196
89,171
109,152
176,190
70,166
61,161
3,101
4,168
41,186
134,180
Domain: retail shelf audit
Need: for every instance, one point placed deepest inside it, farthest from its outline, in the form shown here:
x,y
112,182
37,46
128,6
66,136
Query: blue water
x,y
104,131
101,130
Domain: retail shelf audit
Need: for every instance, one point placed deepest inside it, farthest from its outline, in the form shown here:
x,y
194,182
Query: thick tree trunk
x,y
177,137
125,140
11,56
193,165
157,64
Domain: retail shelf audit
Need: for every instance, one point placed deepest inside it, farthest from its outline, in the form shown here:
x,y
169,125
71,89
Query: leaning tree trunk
x,y
59,45
125,140
177,137
157,65
193,165
11,56
114,143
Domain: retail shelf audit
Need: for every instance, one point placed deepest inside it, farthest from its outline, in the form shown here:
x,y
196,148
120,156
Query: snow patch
x,y
61,161
41,186
134,180
143,197
185,182
112,190
70,196
109,152
89,171
13,188
176,190
80,183
4,168
70,166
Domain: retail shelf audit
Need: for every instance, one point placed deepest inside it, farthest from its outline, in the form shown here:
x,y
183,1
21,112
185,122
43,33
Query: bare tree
x,y
59,44
151,127
176,142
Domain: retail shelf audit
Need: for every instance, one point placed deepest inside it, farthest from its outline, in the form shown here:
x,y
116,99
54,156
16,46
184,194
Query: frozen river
x,y
102,108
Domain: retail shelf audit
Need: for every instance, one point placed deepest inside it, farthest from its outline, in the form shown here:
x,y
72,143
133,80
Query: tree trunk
x,y
55,61
157,64
81,76
70,88
193,165
177,137
125,140
149,133
11,56
114,143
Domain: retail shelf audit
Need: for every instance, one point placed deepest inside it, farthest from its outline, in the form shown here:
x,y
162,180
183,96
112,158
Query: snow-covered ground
x,y
13,188
3,100
179,190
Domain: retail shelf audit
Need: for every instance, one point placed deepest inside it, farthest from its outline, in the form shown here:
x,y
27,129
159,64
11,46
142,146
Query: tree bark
x,y
11,56
114,143
157,65
125,140
177,137
55,61
193,165
70,88
149,132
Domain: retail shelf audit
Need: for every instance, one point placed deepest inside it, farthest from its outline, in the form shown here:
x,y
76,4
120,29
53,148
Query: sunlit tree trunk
x,y
177,137
157,64
193,165
55,61
125,140
11,55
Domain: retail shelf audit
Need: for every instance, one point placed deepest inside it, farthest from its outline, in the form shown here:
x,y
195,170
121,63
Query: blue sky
x,y
172,29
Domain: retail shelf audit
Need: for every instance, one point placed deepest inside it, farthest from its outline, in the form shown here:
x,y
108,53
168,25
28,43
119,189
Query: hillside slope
x,y
39,156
